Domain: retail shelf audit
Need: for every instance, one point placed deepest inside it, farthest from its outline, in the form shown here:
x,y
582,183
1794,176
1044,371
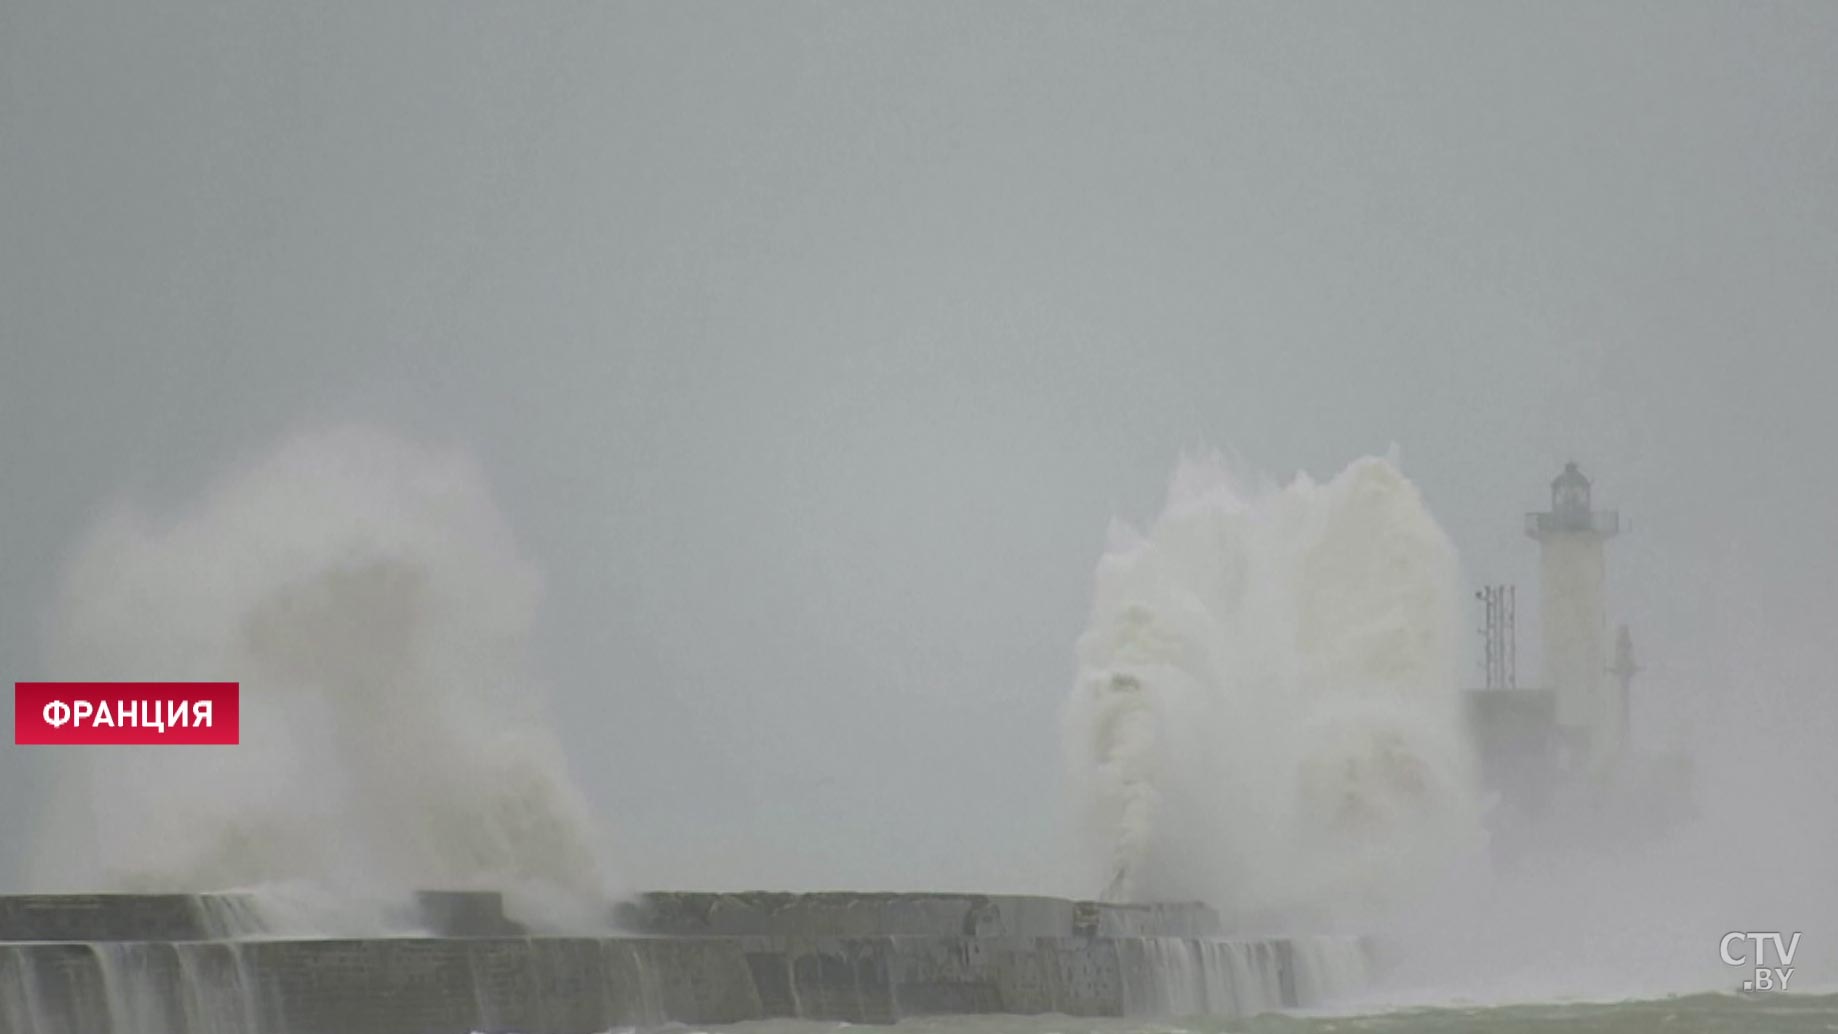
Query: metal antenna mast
x,y
1499,638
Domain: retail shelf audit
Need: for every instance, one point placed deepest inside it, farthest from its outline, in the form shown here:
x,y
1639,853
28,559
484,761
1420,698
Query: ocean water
x,y
1266,717
1267,714
374,604
1688,1014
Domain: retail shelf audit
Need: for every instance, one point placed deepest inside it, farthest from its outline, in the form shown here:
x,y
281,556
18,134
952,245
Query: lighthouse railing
x,y
1598,522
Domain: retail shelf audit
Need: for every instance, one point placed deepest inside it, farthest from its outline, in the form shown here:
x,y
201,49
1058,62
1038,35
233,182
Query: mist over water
x,y
1267,713
1268,717
373,603
1589,914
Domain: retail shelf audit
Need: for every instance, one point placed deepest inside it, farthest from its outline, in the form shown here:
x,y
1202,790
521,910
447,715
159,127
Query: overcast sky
x,y
810,348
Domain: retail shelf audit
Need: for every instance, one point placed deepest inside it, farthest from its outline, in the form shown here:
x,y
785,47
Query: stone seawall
x,y
194,917
855,914
580,985
202,917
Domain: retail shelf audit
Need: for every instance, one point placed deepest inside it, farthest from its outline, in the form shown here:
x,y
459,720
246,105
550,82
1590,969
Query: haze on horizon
x,y
810,349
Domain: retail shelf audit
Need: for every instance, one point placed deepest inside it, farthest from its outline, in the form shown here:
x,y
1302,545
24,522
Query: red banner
x,y
125,713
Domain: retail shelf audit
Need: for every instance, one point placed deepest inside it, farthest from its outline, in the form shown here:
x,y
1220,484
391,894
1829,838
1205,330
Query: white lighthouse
x,y
1590,713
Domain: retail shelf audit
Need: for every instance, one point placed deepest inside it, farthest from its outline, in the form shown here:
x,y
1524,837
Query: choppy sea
x,y
1687,1014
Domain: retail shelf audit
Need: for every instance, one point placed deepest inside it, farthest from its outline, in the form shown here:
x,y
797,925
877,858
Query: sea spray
x,y
373,603
1267,713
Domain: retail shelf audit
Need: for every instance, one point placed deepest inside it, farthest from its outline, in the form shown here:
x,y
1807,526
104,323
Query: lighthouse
x,y
1590,713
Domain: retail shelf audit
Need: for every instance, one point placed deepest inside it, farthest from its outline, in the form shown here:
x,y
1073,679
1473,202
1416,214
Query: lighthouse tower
x,y
1573,610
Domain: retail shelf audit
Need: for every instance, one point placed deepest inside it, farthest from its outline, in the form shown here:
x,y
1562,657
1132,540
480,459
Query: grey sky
x,y
810,348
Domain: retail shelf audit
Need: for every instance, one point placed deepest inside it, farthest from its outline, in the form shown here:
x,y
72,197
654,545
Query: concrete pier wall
x,y
101,917
200,917
579,985
949,915
191,917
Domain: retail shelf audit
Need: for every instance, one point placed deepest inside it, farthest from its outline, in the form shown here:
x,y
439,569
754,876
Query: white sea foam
x,y
1267,714
374,605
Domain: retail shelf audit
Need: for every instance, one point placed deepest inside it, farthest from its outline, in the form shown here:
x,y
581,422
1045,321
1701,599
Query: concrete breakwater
x,y
698,959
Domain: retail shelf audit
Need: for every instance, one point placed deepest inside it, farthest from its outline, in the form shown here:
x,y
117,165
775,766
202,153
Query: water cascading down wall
x,y
176,964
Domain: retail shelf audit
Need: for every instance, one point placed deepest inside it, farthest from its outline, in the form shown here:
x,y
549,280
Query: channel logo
x,y
1767,978
104,714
